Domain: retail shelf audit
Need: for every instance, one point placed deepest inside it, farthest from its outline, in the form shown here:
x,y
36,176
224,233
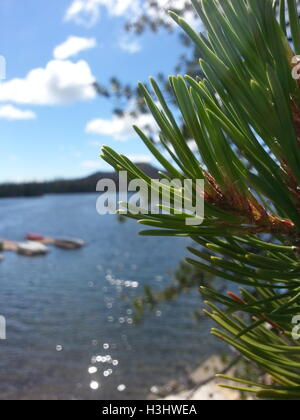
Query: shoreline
x,y
201,384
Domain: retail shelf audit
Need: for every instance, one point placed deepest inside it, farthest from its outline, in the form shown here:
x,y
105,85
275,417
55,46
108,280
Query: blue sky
x,y
51,122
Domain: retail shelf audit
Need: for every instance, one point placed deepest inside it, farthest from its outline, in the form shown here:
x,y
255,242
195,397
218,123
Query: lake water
x,y
69,328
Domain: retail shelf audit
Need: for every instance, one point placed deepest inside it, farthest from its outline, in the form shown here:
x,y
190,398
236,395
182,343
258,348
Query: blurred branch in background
x,y
186,279
124,95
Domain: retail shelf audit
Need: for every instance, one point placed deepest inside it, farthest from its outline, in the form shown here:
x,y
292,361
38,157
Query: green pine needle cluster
x,y
243,118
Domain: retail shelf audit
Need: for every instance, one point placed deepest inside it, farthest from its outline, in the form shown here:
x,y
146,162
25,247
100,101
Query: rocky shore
x,y
201,385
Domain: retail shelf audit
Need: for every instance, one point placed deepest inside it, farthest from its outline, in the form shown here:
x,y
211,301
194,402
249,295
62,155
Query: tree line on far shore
x,y
64,186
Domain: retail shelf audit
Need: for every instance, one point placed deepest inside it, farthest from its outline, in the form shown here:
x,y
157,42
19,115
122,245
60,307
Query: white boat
x,y
30,248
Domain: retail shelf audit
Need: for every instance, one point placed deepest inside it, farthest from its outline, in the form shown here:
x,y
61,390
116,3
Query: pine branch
x,y
244,118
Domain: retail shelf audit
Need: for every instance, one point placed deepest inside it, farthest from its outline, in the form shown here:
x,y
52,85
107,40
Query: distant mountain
x,y
80,185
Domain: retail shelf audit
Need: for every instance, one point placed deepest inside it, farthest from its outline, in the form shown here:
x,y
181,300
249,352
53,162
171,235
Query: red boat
x,y
34,237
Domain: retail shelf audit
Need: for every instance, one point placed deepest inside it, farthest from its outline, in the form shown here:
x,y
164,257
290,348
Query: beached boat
x,y
34,237
31,248
66,243
9,246
69,243
39,238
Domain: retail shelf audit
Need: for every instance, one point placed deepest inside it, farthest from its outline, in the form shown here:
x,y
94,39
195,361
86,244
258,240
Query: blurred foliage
x,y
122,94
186,279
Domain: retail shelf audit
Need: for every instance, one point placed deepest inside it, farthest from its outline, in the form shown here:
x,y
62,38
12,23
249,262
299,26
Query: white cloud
x,y
87,12
9,112
120,128
73,46
163,7
161,13
60,82
130,46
